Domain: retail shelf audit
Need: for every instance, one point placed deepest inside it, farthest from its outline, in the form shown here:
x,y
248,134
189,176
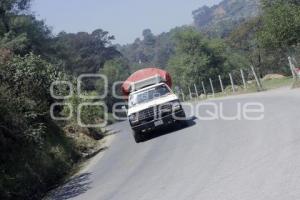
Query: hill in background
x,y
220,19
216,21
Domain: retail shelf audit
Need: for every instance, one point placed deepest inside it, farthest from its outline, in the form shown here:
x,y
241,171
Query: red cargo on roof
x,y
144,74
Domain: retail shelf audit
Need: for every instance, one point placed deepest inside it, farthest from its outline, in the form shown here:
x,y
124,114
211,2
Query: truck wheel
x,y
138,137
184,122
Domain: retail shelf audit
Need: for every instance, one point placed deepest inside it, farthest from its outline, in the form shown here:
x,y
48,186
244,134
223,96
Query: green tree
x,y
149,38
281,24
9,8
84,52
20,32
28,136
243,41
115,70
150,50
196,58
266,4
30,77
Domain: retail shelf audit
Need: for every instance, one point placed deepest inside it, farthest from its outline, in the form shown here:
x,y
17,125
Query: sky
x,y
125,19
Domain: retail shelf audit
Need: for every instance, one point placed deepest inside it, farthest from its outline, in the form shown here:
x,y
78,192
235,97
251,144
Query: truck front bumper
x,y
167,120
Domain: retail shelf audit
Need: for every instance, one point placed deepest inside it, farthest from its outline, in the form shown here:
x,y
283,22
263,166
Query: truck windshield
x,y
148,95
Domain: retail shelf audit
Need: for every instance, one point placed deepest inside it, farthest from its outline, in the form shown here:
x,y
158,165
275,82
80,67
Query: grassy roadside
x,y
252,87
30,170
296,84
277,83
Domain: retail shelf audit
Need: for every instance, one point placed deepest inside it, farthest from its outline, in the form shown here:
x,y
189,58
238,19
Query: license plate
x,y
158,123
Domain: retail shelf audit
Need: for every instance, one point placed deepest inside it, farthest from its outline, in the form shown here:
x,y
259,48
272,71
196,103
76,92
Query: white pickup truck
x,y
151,105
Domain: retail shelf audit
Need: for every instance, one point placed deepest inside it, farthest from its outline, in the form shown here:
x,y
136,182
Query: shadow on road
x,y
74,187
170,129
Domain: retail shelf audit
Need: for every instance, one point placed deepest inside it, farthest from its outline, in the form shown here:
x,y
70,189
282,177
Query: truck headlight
x,y
166,110
176,105
133,118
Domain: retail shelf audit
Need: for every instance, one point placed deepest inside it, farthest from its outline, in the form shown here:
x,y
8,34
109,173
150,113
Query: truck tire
x,y
184,123
138,137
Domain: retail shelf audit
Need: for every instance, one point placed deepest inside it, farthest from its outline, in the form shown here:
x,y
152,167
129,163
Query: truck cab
x,y
153,105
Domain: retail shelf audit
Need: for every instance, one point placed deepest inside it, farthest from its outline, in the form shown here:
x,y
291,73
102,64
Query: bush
x,y
35,152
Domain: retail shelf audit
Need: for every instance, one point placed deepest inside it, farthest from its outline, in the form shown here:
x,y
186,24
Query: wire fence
x,y
246,80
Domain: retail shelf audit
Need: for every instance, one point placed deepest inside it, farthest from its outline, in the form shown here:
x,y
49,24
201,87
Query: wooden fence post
x,y
191,96
196,90
292,67
204,90
244,81
256,78
232,84
221,83
182,93
212,87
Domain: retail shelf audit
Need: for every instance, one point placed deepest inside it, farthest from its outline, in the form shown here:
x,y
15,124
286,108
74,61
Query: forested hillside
x,y
240,29
219,20
150,50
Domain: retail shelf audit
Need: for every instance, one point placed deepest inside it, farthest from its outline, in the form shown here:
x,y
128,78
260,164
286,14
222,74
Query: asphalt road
x,y
209,160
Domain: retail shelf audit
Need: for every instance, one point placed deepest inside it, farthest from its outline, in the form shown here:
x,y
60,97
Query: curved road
x,y
209,160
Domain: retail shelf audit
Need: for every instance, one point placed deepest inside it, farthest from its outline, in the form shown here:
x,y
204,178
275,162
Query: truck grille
x,y
147,114
156,112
